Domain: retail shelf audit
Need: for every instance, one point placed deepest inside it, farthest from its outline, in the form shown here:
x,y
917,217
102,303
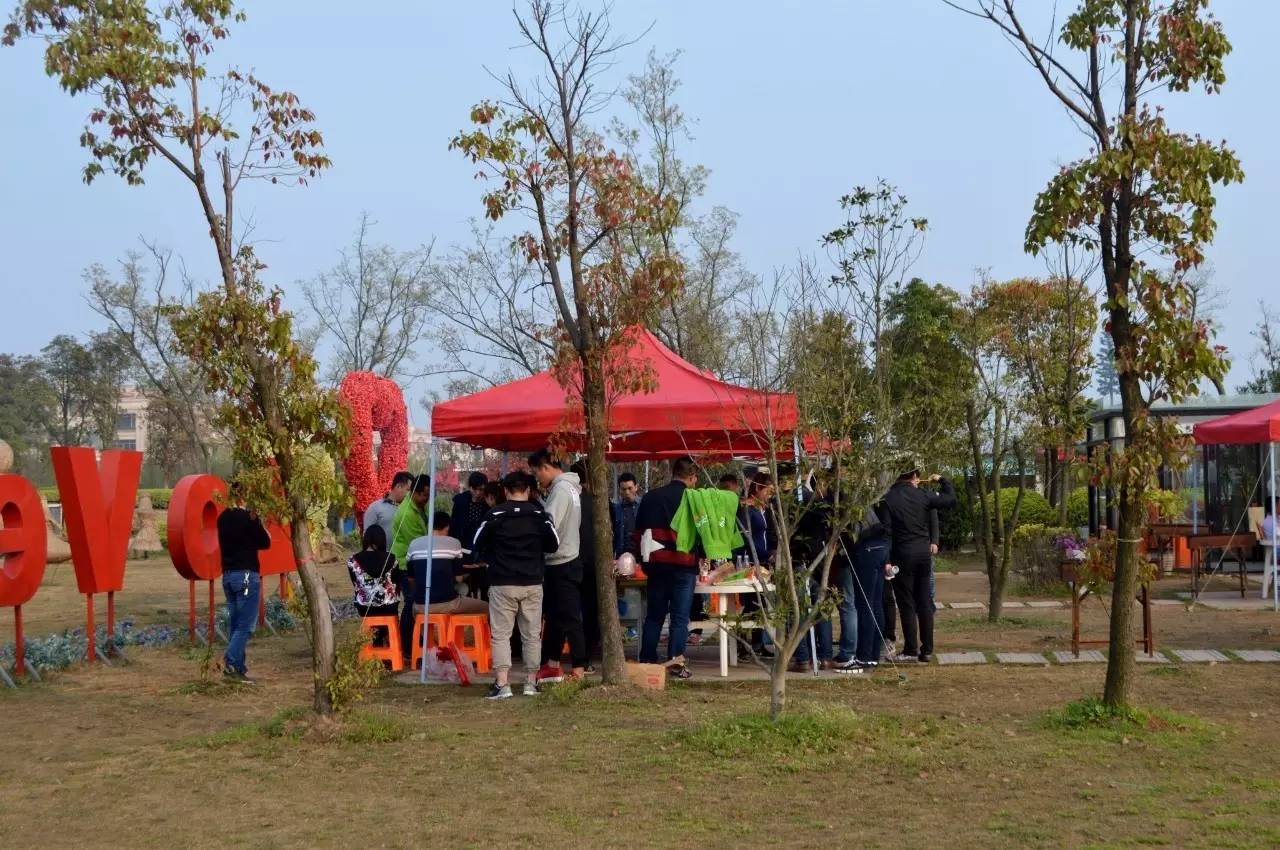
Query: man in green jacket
x,y
408,524
410,521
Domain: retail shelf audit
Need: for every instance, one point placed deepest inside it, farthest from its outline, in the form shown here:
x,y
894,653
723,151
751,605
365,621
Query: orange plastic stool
x,y
435,638
480,645
390,652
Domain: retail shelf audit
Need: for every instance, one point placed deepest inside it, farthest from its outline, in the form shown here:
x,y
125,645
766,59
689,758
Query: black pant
x,y
562,608
405,584
890,611
915,604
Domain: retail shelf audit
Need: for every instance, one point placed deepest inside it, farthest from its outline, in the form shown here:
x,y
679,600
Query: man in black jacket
x,y
241,536
909,508
516,537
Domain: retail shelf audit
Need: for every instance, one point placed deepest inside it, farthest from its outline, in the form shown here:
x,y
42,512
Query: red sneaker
x,y
548,675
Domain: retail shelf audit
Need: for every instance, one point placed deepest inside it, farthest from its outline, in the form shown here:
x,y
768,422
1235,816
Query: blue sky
x,y
795,103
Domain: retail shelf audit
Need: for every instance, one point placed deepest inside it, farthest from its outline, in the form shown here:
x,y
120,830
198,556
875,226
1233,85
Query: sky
x,y
795,104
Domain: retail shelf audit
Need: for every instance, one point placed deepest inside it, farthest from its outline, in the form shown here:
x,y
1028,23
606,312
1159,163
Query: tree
x,y
1045,329
145,67
494,309
27,407
931,378
691,320
1108,383
823,345
374,305
179,409
67,367
873,251
87,380
1266,365
1142,198
995,424
582,199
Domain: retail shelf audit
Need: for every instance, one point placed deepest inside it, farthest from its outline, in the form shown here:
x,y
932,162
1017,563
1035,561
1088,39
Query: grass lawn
x,y
952,757
134,755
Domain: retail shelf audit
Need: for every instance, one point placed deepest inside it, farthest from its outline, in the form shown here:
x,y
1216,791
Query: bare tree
x,y
1266,363
133,306
374,305
581,198
496,313
691,319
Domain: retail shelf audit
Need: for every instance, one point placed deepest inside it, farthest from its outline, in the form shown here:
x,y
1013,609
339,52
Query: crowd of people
x,y
521,550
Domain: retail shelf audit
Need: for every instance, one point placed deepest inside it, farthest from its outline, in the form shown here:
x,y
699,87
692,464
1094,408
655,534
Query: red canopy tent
x,y
1248,427
689,411
1251,427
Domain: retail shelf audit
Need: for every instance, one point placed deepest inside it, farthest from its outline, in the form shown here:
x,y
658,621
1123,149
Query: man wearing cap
x,y
909,510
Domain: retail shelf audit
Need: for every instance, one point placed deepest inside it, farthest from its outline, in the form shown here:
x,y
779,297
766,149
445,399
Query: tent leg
x,y
1275,554
431,540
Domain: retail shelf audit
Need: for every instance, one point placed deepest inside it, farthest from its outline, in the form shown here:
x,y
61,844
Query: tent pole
x,y
1275,552
431,545
646,476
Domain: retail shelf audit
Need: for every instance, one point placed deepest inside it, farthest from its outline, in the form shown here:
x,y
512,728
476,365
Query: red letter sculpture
x,y
193,541
376,405
23,547
97,511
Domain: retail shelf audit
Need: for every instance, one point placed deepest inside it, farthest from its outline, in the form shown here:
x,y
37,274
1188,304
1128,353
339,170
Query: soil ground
x,y
140,754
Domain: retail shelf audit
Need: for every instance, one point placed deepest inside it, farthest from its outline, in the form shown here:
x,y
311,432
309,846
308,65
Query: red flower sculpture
x,y
377,404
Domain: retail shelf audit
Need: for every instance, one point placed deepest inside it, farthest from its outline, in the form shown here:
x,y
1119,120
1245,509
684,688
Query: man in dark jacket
x,y
468,509
516,537
624,515
909,507
241,536
863,588
672,574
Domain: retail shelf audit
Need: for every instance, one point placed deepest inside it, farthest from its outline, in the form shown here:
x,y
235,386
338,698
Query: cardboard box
x,y
651,676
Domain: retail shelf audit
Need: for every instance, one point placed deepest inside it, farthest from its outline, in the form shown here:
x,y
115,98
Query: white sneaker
x,y
903,658
530,689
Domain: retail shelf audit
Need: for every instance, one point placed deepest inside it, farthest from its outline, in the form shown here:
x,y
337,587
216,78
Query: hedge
x,y
159,495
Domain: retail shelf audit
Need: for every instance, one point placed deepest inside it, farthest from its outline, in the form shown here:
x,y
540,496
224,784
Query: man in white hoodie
x,y
562,588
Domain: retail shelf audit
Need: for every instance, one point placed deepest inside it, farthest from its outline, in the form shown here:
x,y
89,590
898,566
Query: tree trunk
x,y
778,686
323,648
1120,654
597,425
984,533
1064,487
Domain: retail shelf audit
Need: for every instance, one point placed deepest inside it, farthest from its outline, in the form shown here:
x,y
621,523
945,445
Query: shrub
x,y
352,675
957,525
1036,509
1078,507
160,496
1037,556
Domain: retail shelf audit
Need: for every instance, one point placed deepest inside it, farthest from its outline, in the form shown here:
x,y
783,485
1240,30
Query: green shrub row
x,y
159,495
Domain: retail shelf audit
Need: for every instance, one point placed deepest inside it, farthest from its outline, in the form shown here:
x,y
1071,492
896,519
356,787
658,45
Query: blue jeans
x,y
848,614
868,565
670,592
242,588
821,635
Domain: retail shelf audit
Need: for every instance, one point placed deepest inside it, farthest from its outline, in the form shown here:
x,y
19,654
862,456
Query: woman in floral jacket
x,y
371,576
